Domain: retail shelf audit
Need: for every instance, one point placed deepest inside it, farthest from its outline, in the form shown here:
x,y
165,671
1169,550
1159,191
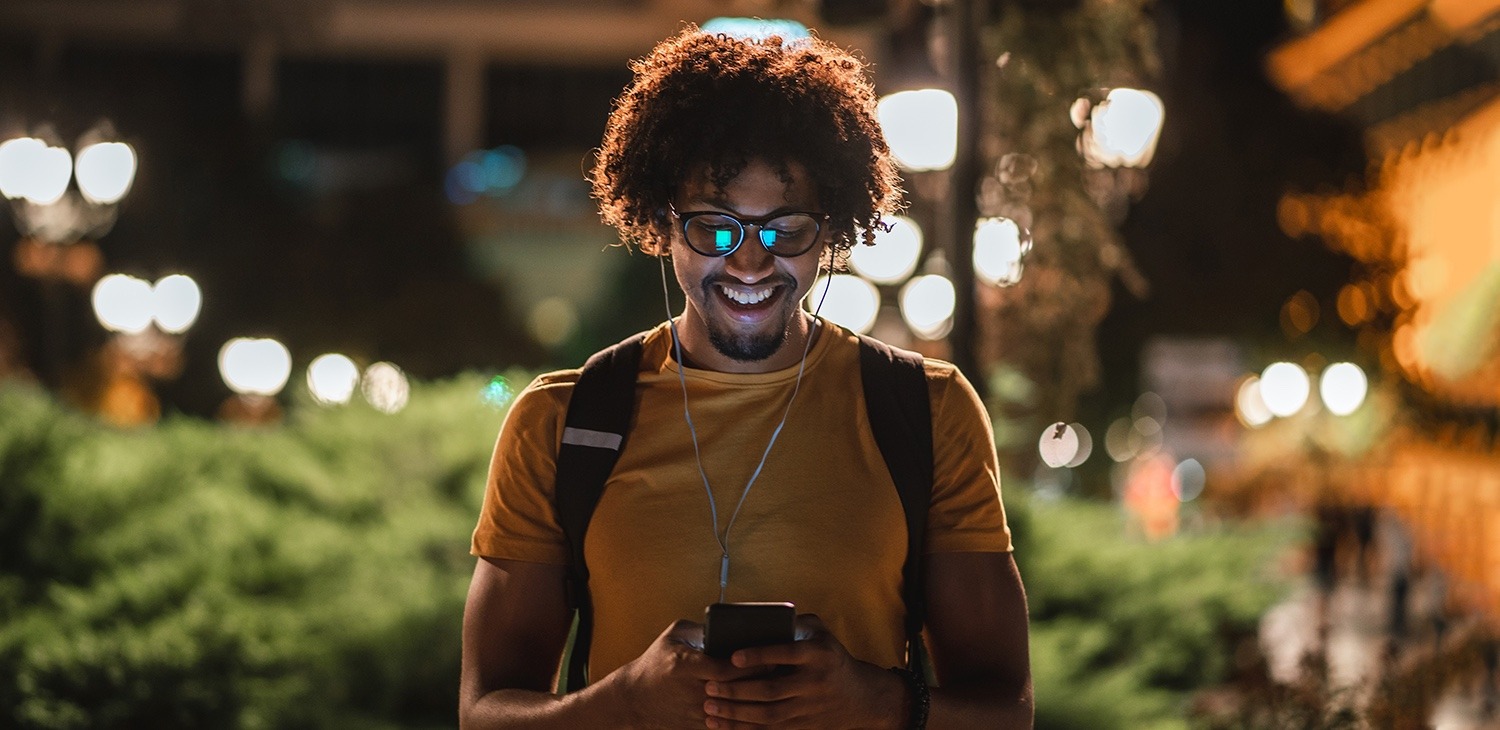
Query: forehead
x,y
759,186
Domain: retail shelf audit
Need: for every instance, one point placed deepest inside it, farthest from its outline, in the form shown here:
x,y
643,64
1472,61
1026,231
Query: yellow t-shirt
x,y
821,527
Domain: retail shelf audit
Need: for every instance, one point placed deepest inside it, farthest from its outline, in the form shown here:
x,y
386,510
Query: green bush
x,y
312,575
196,575
1122,630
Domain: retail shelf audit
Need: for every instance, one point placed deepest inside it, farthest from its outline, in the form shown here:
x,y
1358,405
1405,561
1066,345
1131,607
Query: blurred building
x,y
1422,78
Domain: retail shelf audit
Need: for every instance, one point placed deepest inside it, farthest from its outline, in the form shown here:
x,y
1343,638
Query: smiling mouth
x,y
747,298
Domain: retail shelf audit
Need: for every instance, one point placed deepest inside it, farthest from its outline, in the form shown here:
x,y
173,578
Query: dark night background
x,y
374,263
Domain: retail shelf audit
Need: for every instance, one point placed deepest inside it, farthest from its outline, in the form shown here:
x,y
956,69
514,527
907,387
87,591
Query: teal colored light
x,y
497,392
757,29
723,240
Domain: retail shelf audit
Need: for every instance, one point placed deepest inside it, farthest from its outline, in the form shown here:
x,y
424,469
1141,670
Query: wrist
x,y
915,699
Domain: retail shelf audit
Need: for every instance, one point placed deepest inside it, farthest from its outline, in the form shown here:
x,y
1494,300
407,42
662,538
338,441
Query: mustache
x,y
712,280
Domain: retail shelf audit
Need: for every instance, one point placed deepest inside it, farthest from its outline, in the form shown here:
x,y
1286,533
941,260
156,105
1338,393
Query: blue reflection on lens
x,y
723,240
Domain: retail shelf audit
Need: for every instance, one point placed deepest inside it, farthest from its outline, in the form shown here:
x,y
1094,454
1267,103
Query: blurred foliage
x,y
197,575
312,575
1124,631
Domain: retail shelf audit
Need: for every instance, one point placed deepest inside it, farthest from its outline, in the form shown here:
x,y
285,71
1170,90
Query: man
x,y
750,472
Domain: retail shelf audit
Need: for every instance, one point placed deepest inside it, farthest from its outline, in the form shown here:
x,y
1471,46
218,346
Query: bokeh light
x,y
1124,129
498,393
1188,479
1058,445
123,303
332,378
1343,387
104,171
1085,445
1284,387
999,245
175,303
921,128
34,170
894,255
1249,406
255,366
1118,442
756,28
851,302
927,305
552,321
385,387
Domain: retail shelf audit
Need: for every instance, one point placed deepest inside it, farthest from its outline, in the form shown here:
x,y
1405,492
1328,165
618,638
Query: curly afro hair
x,y
701,99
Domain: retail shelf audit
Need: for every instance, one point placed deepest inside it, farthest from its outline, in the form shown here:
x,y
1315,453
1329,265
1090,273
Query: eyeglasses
x,y
715,234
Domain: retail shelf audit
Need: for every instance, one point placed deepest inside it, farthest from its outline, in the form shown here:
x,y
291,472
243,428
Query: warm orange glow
x,y
1299,314
1354,304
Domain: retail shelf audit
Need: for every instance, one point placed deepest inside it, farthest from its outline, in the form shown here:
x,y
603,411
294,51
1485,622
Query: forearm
x,y
598,705
990,704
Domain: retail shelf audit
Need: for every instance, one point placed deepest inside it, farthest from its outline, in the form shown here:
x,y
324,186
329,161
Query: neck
x,y
699,352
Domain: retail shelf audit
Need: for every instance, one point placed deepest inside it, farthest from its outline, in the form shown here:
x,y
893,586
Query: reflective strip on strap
x,y
596,439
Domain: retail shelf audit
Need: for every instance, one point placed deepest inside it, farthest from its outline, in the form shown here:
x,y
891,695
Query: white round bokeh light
x,y
1058,445
104,171
1284,387
332,378
385,387
851,302
921,128
894,255
255,366
1343,387
1250,406
927,305
998,251
175,303
123,303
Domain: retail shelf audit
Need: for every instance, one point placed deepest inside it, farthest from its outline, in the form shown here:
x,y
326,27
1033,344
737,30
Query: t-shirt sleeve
x,y
518,520
966,513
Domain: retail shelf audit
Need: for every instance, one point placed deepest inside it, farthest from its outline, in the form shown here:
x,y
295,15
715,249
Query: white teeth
x,y
754,297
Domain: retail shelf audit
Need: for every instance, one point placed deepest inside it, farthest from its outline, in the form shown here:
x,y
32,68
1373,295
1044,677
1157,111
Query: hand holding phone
x,y
730,627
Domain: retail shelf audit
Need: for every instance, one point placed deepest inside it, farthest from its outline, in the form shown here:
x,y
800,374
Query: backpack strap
x,y
598,422
900,415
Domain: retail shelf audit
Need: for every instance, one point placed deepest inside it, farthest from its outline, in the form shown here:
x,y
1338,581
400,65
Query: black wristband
x,y
921,698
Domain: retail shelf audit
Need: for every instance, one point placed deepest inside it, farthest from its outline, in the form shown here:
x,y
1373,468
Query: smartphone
x,y
729,627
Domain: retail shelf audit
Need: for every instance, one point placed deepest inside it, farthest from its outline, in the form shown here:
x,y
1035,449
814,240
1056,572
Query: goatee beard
x,y
753,347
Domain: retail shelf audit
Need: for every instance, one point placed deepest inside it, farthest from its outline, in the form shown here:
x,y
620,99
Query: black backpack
x,y
598,423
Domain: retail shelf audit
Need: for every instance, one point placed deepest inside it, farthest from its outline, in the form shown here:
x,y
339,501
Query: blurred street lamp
x,y
851,302
385,387
1284,386
894,255
1117,139
332,379
927,304
1122,130
59,222
921,128
35,175
1000,247
256,370
1343,387
1249,406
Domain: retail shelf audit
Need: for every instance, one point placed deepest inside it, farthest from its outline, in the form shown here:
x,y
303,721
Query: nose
x,y
751,262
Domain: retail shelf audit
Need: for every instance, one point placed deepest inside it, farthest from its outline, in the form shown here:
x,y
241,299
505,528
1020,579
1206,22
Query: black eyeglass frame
x,y
744,223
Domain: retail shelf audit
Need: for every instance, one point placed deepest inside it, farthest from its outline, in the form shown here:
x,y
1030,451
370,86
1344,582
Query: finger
x,y
754,713
809,625
684,631
795,653
768,689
